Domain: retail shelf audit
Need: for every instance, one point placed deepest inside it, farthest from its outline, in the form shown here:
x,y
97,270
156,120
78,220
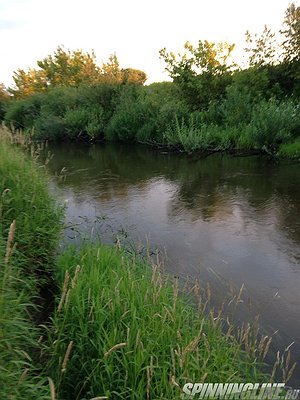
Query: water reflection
x,y
234,218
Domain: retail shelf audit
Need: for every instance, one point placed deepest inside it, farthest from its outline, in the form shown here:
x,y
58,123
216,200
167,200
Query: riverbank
x,y
29,235
159,116
125,332
119,329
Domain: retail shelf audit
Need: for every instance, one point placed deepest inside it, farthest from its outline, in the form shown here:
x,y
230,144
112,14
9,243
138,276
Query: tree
x,y
133,76
111,72
202,72
63,68
4,98
290,67
27,83
261,49
291,32
72,69
4,95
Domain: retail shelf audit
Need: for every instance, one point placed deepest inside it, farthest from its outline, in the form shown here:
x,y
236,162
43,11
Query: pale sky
x,y
133,29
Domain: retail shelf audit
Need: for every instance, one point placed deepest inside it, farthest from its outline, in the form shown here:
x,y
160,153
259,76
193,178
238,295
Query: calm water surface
x,y
224,220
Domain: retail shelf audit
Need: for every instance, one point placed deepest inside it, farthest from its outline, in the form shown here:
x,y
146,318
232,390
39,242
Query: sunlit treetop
x,y
72,69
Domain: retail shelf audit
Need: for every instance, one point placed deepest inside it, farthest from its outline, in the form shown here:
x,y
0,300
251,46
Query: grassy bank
x,y
122,332
29,229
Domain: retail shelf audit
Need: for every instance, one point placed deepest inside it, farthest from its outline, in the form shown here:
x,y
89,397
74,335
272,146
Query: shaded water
x,y
223,220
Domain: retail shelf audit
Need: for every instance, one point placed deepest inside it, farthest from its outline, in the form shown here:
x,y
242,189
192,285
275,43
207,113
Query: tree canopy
x,y
72,69
291,32
202,72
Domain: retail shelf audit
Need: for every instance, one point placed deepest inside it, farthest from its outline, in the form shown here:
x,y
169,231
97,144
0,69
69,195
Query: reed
x,y
29,227
134,334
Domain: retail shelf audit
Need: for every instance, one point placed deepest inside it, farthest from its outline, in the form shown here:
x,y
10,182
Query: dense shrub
x,y
133,116
245,118
273,123
22,114
50,127
193,136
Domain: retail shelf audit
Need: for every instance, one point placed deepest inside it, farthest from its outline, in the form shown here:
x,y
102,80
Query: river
x,y
222,220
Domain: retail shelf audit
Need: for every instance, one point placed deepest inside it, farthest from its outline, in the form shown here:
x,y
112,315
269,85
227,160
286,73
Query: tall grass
x,y
29,228
270,124
194,135
290,150
122,331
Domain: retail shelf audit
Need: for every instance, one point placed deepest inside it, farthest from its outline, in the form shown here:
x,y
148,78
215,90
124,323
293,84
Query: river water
x,y
224,220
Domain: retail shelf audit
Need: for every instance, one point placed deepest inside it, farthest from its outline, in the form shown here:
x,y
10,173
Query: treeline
x,y
211,105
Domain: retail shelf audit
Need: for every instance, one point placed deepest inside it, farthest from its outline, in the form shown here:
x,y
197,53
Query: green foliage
x,y
96,122
24,190
67,68
50,127
209,106
203,137
144,113
133,116
261,49
291,31
103,98
274,123
237,107
202,72
26,259
22,114
128,334
246,118
4,99
75,121
64,113
207,57
290,150
253,82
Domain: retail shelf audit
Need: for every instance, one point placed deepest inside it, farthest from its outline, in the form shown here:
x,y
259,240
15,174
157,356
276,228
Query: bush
x,y
84,121
50,127
75,121
22,114
273,123
290,150
193,136
237,107
103,97
132,117
96,122
58,100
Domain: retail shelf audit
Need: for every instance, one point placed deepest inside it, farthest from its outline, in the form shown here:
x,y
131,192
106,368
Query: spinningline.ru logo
x,y
243,391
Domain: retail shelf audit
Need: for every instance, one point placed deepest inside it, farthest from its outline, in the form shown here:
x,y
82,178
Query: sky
x,y
135,30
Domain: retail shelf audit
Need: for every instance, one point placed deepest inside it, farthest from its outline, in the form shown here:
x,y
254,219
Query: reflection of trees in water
x,y
209,188
287,189
256,186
